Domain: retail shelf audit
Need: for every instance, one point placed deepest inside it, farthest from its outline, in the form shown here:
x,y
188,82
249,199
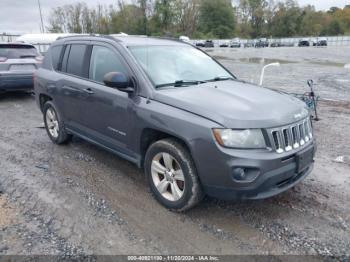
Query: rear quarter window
x,y
55,56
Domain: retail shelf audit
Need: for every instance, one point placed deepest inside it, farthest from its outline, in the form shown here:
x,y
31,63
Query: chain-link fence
x,y
292,41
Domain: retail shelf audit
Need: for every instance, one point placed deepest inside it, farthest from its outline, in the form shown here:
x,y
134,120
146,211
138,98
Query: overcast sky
x,y
22,16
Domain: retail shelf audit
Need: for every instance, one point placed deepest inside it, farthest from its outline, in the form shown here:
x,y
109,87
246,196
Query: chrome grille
x,y
287,138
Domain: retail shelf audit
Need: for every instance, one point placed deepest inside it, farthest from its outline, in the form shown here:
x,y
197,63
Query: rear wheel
x,y
172,175
54,124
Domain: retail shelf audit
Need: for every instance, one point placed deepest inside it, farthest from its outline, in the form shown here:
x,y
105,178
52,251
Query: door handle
x,y
89,91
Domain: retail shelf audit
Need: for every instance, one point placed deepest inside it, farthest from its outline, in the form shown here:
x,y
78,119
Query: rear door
x,y
75,70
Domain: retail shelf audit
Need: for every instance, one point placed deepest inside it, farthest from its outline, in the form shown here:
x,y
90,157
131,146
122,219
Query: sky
x,y
22,16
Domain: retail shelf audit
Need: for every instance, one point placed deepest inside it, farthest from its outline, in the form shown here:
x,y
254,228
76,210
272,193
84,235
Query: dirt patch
x,y
7,213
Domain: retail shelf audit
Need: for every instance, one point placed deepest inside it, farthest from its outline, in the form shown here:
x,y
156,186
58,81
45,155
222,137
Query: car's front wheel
x,y
54,124
172,175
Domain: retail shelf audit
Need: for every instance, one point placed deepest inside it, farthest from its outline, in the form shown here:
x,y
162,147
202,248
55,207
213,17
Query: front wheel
x,y
172,175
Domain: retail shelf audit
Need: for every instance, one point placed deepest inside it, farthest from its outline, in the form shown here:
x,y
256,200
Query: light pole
x,y
41,18
263,71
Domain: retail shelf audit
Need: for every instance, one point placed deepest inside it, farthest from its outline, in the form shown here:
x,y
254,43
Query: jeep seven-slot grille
x,y
291,137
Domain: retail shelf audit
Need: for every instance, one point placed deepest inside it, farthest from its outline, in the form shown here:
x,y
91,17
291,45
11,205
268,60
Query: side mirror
x,y
119,81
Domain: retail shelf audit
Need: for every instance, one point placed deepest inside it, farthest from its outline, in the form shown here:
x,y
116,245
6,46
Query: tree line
x,y
201,19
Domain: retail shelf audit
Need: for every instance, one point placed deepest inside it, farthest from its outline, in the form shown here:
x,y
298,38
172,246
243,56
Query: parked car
x,y
18,61
224,44
262,42
304,42
249,43
276,44
209,43
321,42
184,39
200,44
235,43
194,131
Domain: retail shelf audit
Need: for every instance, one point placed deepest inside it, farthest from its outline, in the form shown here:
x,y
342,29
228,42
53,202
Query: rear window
x,y
18,51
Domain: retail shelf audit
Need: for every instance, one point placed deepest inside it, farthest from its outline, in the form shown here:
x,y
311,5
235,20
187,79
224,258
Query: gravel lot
x,y
78,199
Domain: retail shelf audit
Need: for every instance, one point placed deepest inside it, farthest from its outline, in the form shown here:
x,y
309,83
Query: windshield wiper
x,y
181,83
221,78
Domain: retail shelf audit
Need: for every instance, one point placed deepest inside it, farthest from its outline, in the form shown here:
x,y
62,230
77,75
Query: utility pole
x,y
41,18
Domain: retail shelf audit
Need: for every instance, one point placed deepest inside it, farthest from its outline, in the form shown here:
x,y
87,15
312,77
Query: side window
x,y
103,61
55,56
75,63
65,59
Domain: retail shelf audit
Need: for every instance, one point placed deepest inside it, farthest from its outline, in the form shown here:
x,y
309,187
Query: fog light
x,y
239,174
245,174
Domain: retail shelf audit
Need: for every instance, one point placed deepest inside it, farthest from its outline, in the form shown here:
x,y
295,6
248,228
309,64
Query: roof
x,y
130,40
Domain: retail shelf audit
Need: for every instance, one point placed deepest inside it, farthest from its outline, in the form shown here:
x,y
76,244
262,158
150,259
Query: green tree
x,y
217,18
163,19
286,20
127,18
335,28
253,16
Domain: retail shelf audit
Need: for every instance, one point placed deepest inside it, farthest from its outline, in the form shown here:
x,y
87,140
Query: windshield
x,y
170,64
17,51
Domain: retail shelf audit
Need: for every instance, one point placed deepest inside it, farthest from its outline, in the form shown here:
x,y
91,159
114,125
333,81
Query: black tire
x,y
63,137
192,192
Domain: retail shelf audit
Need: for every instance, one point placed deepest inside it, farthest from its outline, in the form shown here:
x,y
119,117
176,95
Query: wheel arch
x,y
43,98
151,135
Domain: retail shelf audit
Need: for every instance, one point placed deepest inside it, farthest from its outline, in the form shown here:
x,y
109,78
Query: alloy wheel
x,y
167,176
52,122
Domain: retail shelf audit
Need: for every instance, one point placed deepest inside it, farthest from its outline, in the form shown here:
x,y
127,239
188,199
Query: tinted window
x,y
55,56
65,58
75,64
13,51
103,61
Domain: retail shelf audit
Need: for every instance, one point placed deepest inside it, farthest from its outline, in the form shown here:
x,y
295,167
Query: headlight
x,y
247,138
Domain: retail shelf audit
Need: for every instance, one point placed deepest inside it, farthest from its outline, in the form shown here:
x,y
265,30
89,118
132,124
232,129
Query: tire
x,y
183,175
54,125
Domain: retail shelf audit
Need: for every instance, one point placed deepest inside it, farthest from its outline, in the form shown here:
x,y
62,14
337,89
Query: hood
x,y
235,104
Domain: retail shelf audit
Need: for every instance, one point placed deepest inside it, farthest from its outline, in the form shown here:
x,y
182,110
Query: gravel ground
x,y
77,199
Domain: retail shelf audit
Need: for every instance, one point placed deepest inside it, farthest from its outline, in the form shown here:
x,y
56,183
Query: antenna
x,y
41,18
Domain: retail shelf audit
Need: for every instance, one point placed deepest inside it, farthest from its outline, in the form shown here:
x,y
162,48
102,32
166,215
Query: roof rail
x,y
87,35
172,38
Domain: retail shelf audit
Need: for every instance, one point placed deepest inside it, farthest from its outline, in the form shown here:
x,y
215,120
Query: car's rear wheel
x,y
54,125
172,175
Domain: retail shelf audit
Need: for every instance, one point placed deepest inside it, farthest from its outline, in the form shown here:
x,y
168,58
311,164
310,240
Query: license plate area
x,y
22,67
304,159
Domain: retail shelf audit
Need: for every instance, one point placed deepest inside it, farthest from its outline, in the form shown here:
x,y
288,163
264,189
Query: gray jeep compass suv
x,y
177,113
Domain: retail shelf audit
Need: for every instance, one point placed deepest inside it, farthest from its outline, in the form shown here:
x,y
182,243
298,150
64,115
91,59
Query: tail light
x,y
3,59
39,59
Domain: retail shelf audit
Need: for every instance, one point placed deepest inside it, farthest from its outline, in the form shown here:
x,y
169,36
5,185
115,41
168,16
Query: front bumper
x,y
276,173
16,81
